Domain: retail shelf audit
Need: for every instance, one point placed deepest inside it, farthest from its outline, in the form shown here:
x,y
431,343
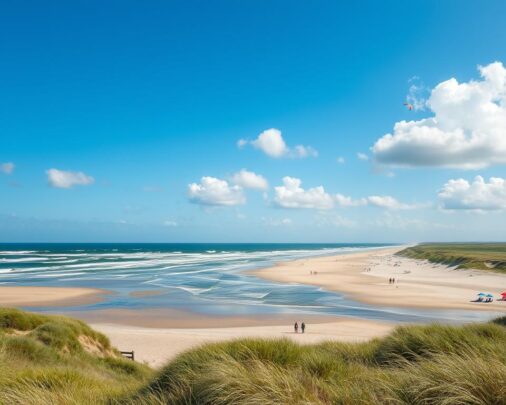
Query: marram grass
x,y
58,360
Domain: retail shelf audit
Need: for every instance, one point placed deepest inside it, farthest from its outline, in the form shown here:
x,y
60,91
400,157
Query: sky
x,y
252,121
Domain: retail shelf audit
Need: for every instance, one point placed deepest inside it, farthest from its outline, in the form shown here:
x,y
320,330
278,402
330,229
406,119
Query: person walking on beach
x,y
296,327
302,327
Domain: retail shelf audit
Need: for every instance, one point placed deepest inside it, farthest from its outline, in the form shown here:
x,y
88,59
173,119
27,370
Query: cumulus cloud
x,y
467,130
292,195
478,195
7,168
247,179
64,179
362,156
390,203
212,191
271,142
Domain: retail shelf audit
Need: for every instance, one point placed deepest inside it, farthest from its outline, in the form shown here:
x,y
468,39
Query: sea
x,y
204,278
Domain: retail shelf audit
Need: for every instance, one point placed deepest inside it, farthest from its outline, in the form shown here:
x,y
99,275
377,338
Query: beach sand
x,y
49,296
156,346
157,335
363,276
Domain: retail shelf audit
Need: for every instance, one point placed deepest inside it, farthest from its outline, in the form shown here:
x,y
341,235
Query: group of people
x,y
313,272
391,280
302,327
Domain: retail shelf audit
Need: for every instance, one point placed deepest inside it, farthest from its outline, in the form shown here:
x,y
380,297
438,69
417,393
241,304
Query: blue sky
x,y
131,104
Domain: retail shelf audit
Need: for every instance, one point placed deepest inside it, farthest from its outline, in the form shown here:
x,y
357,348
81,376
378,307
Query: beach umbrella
x,y
503,293
490,296
482,294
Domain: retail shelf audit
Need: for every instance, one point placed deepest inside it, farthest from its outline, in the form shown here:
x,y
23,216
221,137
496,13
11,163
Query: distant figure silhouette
x,y
302,326
296,327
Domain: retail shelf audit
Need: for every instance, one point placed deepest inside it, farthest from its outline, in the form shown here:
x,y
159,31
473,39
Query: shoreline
x,y
157,335
363,277
38,296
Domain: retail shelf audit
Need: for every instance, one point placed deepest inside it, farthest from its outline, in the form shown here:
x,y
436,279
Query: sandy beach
x,y
364,277
156,346
49,296
157,335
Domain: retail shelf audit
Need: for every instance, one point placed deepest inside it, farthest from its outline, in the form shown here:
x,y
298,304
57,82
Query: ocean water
x,y
203,278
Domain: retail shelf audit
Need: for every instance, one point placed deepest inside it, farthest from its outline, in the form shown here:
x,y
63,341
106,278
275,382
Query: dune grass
x,y
58,360
481,256
434,364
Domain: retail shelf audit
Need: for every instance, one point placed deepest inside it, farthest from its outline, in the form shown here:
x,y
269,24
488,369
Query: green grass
x,y
434,364
482,256
59,360
43,361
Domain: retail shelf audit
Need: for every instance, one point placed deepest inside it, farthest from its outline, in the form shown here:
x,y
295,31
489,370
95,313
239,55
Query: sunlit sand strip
x,y
156,345
364,276
49,296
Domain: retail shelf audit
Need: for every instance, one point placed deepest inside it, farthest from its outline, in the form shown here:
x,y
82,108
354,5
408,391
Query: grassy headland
x,y
481,256
57,360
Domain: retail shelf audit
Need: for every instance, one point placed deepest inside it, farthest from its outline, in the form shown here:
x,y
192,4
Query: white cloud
x,y
213,191
467,130
459,194
362,156
340,160
301,151
292,195
345,201
271,142
7,168
247,179
63,179
390,203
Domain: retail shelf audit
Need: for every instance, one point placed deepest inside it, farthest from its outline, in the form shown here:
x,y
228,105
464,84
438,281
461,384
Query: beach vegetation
x,y
480,256
59,360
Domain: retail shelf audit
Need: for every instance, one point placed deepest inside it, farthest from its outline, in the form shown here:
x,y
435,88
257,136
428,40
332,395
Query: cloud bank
x,y
478,195
292,195
467,130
